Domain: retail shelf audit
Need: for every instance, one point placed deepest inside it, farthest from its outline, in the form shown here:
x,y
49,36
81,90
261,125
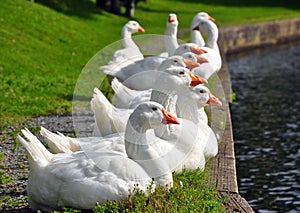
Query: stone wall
x,y
244,37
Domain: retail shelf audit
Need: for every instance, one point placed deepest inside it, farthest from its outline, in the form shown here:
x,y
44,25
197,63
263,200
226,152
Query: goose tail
x,y
36,151
58,143
123,95
111,69
103,110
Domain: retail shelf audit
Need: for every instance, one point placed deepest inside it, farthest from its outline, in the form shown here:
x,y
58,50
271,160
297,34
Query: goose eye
x,y
202,91
181,73
185,47
154,108
175,61
201,22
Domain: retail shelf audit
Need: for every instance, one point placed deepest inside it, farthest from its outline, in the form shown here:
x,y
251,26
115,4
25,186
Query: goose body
x,y
130,53
208,27
143,74
80,179
198,97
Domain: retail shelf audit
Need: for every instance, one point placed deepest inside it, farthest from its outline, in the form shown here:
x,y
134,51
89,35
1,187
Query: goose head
x,y
176,76
178,61
170,83
189,47
194,57
172,61
151,115
201,95
199,17
170,37
172,21
207,26
133,27
146,116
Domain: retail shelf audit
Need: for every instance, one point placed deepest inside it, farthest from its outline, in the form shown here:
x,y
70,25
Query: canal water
x,y
266,126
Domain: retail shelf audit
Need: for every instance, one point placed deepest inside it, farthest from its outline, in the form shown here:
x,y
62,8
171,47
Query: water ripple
x,y
266,125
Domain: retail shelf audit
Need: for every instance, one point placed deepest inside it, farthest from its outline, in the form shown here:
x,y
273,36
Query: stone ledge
x,y
239,38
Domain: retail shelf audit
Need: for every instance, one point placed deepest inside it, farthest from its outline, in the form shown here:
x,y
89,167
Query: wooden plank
x,y
222,168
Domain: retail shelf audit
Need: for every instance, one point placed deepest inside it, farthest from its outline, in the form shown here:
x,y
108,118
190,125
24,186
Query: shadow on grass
x,y
80,8
291,4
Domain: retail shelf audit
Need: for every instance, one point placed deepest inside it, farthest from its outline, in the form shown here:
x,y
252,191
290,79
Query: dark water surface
x,y
266,125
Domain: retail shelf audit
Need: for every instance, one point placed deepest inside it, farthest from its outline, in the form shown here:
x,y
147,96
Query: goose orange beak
x,y
190,64
195,80
168,118
213,100
201,59
197,50
211,19
171,18
141,30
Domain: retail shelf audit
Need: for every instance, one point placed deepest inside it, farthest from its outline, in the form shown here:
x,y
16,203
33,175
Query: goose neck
x,y
196,36
127,39
138,148
186,108
212,37
167,98
171,40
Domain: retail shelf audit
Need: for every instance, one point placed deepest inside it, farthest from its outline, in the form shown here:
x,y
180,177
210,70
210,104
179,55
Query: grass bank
x,y
45,45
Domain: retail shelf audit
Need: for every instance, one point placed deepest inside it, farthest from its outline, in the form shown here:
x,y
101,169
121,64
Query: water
x,y
266,128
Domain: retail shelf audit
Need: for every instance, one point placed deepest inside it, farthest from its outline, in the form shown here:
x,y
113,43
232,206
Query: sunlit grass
x,y
190,193
44,46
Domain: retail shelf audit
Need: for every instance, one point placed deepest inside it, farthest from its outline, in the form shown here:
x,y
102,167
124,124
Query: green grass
x,y
190,193
45,46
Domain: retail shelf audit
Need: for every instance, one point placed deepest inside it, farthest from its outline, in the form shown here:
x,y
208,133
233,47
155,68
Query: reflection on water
x,y
266,125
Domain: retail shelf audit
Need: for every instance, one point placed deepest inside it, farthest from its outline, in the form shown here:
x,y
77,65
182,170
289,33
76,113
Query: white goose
x,y
197,97
196,36
170,37
130,52
81,179
207,26
188,136
110,119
